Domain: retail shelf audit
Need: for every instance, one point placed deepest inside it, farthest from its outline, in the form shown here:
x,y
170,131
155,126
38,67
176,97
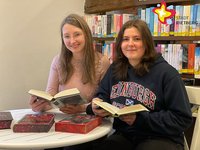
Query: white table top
x,y
51,139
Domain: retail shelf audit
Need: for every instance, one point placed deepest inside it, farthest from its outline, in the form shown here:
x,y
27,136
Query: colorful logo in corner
x,y
165,14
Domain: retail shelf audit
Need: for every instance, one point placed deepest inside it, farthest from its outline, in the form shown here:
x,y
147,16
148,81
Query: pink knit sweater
x,y
86,90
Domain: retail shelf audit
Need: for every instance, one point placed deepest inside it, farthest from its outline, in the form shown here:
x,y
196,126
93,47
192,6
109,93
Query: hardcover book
x,y
34,123
116,112
70,96
78,123
5,120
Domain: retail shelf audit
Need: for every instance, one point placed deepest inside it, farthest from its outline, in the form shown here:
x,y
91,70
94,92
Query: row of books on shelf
x,y
107,49
186,22
107,25
184,57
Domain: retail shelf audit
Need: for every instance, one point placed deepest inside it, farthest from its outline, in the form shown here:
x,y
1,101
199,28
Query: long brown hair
x,y
121,62
89,53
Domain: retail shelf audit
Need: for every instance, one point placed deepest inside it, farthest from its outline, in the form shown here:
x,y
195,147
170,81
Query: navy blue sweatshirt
x,y
161,90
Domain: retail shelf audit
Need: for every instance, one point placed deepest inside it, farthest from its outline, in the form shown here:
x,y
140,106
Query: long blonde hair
x,y
67,69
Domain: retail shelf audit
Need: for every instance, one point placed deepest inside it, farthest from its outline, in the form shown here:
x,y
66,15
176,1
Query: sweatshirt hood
x,y
159,60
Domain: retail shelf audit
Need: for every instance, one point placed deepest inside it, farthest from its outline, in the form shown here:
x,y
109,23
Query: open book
x,y
70,96
116,112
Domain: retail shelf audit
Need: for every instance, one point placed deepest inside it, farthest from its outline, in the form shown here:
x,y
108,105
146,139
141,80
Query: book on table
x,y
5,120
34,123
116,112
69,96
78,123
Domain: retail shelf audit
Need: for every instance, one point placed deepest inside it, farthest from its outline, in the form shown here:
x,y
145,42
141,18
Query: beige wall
x,y
29,38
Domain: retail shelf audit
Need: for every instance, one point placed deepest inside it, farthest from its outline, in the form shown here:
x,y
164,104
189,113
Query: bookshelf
x,y
100,7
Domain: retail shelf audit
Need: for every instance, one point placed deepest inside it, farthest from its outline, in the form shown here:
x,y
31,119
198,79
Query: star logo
x,y
163,12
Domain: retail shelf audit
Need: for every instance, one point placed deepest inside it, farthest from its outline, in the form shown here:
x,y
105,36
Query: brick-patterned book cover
x,y
5,120
34,123
78,123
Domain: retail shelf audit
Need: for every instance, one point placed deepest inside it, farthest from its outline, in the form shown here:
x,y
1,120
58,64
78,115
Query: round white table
x,y
51,139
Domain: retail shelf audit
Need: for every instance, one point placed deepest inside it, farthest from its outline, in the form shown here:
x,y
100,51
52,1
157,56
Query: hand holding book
x,y
116,112
99,111
69,96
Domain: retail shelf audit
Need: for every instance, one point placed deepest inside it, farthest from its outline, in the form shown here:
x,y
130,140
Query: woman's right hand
x,y
99,111
38,104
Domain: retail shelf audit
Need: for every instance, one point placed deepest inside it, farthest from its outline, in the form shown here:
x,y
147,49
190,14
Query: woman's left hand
x,y
129,118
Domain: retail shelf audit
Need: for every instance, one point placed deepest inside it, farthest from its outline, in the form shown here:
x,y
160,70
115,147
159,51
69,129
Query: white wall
x,y
29,38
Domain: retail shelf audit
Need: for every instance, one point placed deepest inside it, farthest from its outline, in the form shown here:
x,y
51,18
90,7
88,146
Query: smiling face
x,y
132,46
73,38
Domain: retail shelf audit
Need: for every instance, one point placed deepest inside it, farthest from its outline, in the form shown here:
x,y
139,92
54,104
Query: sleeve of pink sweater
x,y
53,80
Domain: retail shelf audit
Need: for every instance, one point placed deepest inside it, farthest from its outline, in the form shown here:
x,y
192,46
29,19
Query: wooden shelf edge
x,y
161,38
154,2
102,6
177,38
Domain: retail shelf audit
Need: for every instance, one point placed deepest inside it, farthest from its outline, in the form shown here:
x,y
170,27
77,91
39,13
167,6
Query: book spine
x,y
197,62
151,20
191,59
198,21
194,19
155,28
185,59
83,128
186,20
191,19
109,18
171,26
21,128
177,21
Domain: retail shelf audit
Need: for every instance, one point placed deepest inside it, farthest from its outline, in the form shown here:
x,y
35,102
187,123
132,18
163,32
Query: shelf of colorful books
x,y
182,32
184,25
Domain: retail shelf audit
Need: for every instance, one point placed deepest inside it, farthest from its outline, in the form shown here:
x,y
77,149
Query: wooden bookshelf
x,y
131,6
101,6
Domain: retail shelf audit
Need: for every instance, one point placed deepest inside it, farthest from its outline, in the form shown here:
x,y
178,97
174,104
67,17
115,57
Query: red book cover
x,y
78,123
5,120
191,57
34,123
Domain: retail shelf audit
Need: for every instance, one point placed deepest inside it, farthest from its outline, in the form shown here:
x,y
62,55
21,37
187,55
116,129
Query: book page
x,y
71,100
132,109
112,109
41,94
69,92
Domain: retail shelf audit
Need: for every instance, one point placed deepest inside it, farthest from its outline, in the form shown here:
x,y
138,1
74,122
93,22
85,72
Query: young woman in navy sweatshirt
x,y
141,75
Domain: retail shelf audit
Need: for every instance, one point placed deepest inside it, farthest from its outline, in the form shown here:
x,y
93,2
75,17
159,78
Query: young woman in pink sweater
x,y
78,65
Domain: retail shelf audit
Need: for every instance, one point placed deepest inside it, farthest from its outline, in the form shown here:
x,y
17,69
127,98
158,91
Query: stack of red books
x,y
78,123
34,123
5,120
